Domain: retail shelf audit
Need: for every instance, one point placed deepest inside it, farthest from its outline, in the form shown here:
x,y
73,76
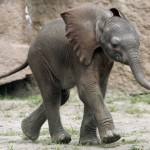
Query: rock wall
x,y
16,32
13,41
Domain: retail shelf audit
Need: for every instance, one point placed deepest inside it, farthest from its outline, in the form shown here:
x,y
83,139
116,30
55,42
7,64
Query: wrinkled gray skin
x,y
79,50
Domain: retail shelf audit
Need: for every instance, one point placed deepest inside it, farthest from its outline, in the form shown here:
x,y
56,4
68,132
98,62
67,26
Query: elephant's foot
x,y
88,129
110,137
29,131
61,138
31,125
89,140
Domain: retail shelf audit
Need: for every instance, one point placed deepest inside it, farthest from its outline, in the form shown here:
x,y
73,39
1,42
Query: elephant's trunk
x,y
135,65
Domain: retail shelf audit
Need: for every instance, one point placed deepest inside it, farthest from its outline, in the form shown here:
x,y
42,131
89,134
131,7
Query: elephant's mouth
x,y
125,61
122,58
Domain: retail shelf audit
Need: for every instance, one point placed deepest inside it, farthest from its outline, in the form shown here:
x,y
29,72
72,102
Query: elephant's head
x,y
89,27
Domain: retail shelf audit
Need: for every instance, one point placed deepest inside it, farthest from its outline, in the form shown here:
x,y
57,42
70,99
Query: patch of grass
x,y
78,117
134,147
35,99
132,110
44,132
8,115
72,131
7,97
140,98
46,142
135,110
10,148
111,97
119,96
112,108
11,133
22,115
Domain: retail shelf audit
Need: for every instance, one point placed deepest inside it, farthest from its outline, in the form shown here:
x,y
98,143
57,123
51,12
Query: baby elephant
x,y
79,49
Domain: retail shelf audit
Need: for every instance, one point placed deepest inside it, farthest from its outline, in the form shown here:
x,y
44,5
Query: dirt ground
x,y
132,120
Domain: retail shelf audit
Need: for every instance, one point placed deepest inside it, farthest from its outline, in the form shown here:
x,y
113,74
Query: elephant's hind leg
x,y
50,89
32,124
88,129
52,100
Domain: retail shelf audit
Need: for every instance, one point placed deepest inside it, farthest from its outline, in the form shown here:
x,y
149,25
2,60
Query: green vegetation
x,y
46,141
112,108
135,110
11,133
10,148
140,98
78,117
72,131
118,96
134,147
34,99
7,97
44,132
8,116
131,100
22,114
134,98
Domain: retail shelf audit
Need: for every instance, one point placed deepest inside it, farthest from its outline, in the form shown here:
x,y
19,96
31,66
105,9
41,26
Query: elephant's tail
x,y
19,68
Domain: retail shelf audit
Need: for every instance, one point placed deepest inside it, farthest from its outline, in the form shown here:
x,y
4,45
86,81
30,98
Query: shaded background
x,y
20,20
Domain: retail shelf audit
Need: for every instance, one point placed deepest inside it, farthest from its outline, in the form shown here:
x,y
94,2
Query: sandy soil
x,y
133,126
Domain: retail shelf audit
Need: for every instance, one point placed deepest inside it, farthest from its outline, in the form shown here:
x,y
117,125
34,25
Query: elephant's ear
x,y
118,13
80,30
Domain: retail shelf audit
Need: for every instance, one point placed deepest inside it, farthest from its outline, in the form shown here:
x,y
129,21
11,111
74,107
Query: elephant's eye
x,y
115,43
115,46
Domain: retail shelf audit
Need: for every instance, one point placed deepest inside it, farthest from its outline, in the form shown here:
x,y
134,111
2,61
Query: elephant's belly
x,y
68,80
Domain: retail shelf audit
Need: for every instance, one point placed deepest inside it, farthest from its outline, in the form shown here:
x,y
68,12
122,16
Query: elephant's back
x,y
53,32
54,27
50,38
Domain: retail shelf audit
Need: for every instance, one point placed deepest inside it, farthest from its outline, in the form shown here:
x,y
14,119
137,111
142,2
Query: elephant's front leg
x,y
90,94
88,129
89,126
